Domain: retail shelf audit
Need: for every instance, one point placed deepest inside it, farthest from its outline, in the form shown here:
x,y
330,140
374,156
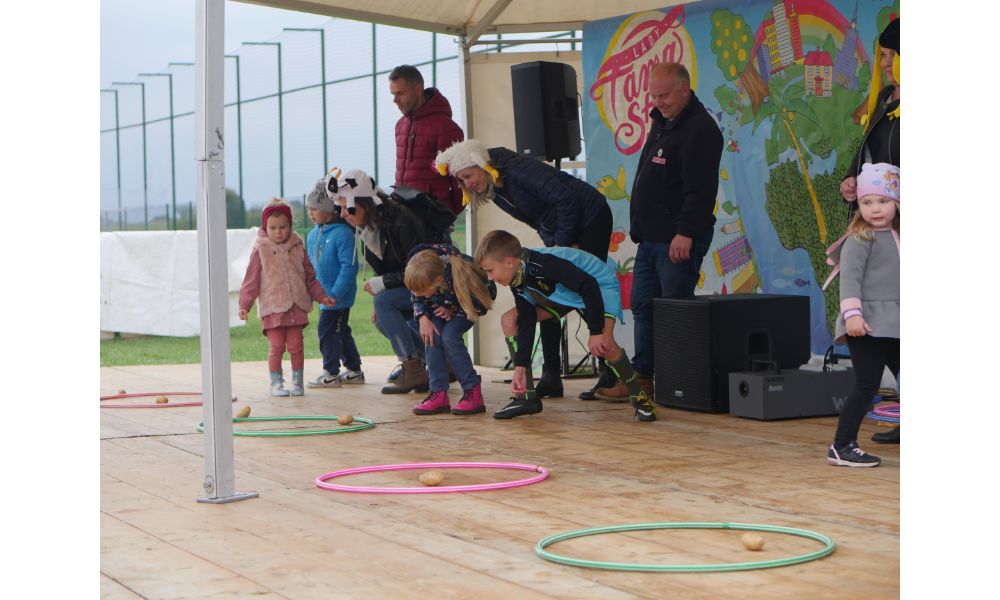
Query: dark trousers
x,y
655,276
594,238
336,343
870,356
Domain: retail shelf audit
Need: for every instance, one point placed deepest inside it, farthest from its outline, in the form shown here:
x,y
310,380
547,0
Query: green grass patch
x,y
247,343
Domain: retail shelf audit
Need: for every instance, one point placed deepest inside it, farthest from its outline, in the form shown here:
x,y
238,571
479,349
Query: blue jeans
x,y
655,276
393,319
336,341
449,348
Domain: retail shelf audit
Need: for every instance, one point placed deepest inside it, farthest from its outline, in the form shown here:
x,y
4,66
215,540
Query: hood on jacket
x,y
434,103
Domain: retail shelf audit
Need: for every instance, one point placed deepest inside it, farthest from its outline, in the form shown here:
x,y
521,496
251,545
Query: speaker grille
x,y
682,353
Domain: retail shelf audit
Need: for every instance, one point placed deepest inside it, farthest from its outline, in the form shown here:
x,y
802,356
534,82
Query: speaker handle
x,y
755,362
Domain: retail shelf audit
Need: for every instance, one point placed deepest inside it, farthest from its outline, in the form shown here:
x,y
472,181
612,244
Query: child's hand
x,y
519,382
243,315
444,313
368,288
857,326
598,345
328,301
427,331
373,315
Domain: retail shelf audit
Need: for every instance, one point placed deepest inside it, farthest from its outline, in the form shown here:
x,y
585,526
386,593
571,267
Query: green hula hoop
x,y
828,548
364,424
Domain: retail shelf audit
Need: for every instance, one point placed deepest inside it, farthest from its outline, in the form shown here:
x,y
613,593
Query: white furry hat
x,y
355,184
470,153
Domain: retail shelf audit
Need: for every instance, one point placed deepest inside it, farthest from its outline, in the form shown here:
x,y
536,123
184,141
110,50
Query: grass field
x,y
247,342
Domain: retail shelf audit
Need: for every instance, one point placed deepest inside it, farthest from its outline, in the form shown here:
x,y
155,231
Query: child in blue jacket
x,y
331,250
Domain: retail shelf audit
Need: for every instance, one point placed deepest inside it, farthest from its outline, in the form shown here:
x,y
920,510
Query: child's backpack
x,y
428,209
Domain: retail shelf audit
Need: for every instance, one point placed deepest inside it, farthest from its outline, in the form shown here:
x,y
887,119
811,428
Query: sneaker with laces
x,y
352,377
522,404
434,403
471,402
326,380
849,455
394,374
644,408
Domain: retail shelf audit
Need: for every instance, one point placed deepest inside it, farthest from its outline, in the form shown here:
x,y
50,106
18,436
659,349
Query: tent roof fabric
x,y
459,17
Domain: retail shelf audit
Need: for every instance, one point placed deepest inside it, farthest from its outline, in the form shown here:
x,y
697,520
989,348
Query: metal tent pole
x,y
220,472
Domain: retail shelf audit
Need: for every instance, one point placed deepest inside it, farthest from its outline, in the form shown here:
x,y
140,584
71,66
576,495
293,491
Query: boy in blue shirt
x,y
548,283
330,245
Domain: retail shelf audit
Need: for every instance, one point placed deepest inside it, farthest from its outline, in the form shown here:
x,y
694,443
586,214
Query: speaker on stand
x,y
546,112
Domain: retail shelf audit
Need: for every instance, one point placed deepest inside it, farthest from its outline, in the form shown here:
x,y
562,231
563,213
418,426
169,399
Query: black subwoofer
x,y
699,341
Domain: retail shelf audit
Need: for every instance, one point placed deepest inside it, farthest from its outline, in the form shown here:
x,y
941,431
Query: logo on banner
x,y
621,88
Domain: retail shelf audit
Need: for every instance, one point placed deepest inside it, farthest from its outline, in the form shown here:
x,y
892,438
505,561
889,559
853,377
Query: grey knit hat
x,y
318,199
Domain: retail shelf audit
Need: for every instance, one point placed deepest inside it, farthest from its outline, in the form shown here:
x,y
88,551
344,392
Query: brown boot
x,y
616,393
413,378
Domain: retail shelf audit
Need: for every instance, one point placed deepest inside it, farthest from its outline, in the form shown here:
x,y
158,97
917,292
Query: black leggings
x,y
870,356
596,235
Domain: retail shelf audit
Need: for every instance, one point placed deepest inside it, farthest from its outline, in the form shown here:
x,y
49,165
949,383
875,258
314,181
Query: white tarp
x,y
149,280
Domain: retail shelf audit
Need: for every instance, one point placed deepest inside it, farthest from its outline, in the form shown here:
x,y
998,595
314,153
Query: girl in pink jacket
x,y
282,280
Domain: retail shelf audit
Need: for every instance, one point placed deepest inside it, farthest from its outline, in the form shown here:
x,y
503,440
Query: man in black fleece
x,y
673,199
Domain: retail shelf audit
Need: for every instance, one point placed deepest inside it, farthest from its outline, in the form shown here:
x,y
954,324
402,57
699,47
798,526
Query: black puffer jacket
x,y
677,178
554,203
401,230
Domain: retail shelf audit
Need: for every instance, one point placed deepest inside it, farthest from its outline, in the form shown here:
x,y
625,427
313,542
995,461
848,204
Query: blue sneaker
x,y
849,455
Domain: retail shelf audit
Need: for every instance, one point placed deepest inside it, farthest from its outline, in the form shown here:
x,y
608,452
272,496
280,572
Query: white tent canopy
x,y
473,17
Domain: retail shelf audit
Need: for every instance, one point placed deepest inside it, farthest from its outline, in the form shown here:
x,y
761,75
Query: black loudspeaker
x,y
789,394
546,114
699,341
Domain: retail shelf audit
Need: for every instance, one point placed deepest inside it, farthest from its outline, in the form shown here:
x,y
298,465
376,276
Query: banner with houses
x,y
786,81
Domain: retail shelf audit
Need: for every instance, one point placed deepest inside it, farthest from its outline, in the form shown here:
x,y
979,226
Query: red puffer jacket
x,y
420,135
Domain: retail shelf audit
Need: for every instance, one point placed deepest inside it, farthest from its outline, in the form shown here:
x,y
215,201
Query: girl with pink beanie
x,y
868,257
282,280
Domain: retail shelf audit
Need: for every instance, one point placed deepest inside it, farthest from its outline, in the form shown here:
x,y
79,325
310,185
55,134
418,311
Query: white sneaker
x,y
325,381
349,376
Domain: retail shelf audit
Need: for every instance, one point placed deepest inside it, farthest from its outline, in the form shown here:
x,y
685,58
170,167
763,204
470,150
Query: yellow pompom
x,y
465,197
442,168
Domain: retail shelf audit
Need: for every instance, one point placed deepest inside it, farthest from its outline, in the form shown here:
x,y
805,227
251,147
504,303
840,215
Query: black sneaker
x,y
520,405
644,408
887,437
549,384
849,455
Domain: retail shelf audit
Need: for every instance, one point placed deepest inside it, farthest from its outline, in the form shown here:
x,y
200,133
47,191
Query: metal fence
x,y
296,104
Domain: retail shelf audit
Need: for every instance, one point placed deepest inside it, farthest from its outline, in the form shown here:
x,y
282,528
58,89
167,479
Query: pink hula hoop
x,y
146,395
887,409
321,481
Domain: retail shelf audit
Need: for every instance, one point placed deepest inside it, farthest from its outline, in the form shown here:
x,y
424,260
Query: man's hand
x,y
680,248
849,189
519,381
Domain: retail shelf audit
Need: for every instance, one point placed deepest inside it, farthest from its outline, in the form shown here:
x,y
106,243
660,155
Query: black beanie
x,y
890,36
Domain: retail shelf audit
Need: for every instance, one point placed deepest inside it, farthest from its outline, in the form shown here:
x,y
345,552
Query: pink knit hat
x,y
879,179
276,205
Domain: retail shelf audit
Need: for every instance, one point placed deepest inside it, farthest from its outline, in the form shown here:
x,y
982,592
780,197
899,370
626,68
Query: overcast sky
x,y
142,36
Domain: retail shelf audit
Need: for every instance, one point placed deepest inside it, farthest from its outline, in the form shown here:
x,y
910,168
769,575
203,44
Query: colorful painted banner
x,y
785,80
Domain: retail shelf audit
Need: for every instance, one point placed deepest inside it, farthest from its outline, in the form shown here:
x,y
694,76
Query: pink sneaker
x,y
471,402
434,403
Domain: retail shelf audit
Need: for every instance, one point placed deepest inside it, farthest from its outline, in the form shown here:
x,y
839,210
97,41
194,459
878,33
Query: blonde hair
x,y
862,229
498,245
468,280
475,198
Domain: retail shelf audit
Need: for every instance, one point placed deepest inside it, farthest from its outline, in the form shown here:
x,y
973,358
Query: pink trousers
x,y
280,338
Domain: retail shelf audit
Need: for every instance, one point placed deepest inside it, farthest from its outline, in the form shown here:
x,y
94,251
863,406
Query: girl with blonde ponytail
x,y
449,292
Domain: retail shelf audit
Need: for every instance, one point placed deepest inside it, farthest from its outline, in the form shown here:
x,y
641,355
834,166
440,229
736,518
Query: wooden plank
x,y
606,469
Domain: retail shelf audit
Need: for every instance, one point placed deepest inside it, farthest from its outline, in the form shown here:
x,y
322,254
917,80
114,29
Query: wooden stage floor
x,y
298,541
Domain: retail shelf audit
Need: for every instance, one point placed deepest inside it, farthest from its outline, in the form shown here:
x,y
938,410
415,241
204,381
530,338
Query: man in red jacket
x,y
425,129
